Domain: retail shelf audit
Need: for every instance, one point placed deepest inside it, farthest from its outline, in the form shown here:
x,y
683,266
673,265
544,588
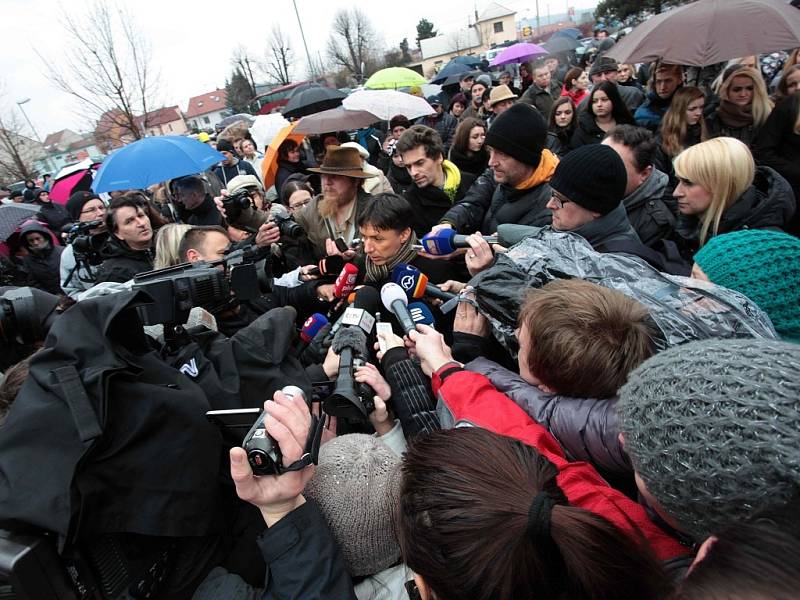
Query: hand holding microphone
x,y
480,255
447,241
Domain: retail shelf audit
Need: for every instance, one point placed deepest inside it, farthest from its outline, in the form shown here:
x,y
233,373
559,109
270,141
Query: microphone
x,y
330,265
312,326
394,299
421,314
346,281
447,241
415,283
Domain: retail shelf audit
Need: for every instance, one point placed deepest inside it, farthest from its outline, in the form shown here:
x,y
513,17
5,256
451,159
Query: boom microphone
x,y
447,241
395,300
346,281
415,283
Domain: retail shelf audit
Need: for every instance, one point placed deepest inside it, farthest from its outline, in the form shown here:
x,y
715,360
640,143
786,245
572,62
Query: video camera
x,y
241,204
26,315
85,246
176,290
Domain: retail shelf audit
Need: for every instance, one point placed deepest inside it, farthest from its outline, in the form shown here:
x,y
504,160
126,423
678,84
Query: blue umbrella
x,y
451,69
470,61
153,160
569,32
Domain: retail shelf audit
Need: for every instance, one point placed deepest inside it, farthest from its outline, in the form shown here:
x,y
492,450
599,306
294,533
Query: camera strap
x,y
313,442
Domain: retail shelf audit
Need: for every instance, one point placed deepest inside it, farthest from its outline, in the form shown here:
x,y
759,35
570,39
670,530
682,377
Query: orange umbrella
x,y
269,166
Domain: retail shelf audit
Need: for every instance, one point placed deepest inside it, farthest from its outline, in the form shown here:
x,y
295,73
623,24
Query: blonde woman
x,y
168,239
743,106
720,190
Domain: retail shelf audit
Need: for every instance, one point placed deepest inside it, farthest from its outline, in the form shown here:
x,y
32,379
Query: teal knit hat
x,y
764,266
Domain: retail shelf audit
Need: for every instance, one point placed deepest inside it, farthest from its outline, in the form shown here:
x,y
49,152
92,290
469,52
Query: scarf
x,y
452,179
543,173
734,115
407,253
575,94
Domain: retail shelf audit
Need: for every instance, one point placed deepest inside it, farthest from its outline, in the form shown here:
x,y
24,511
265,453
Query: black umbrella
x,y
13,215
561,44
312,100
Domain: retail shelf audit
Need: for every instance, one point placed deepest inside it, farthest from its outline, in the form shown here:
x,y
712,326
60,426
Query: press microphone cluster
x,y
312,326
415,283
396,301
447,241
346,281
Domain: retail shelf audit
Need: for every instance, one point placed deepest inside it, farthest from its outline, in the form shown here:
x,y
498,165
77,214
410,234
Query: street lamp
x,y
35,134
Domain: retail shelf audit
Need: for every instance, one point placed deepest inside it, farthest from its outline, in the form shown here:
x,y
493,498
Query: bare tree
x,y
242,60
18,153
352,42
279,59
106,64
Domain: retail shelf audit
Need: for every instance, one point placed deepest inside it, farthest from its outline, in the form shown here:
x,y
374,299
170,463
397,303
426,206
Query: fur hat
x,y
357,486
713,429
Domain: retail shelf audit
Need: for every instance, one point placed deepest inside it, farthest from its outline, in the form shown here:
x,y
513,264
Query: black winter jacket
x,y
487,205
205,214
767,204
399,179
648,213
474,165
718,128
412,397
227,172
430,203
587,131
586,428
42,266
55,215
121,262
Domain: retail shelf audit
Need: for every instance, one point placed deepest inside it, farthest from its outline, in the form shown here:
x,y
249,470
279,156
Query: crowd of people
x,y
597,396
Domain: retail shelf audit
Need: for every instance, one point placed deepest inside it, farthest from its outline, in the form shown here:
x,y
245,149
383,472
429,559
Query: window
x,y
498,27
206,120
170,127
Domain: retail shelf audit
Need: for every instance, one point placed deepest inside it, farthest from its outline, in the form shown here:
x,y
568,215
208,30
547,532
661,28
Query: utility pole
x,y
35,134
538,21
303,36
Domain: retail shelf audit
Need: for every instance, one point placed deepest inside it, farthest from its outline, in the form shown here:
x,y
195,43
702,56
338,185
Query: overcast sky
x,y
192,41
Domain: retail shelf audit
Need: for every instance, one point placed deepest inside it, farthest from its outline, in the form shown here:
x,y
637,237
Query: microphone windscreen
x,y
312,326
390,293
421,314
331,265
350,337
411,279
439,242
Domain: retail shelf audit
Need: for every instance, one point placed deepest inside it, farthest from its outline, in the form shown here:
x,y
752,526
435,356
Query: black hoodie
x,y
42,265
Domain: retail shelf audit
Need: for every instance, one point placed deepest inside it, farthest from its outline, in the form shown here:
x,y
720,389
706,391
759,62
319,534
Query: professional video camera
x,y
25,318
86,246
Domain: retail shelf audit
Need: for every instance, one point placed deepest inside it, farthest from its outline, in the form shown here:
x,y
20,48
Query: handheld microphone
x,y
312,326
346,281
415,283
395,300
447,241
421,314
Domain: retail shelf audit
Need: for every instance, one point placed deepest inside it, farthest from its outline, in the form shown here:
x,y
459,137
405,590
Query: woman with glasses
x,y
720,189
296,193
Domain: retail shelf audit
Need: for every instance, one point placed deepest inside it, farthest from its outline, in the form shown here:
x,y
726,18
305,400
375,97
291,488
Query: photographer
x,y
194,204
129,249
78,272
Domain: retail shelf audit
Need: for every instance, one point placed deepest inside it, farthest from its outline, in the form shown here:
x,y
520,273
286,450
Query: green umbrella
x,y
393,78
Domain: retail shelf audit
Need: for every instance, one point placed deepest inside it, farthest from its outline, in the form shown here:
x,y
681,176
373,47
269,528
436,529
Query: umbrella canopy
x,y
269,166
712,31
451,69
76,181
74,168
470,61
561,44
303,87
312,100
569,32
267,127
385,104
234,119
335,119
13,215
517,53
153,160
393,78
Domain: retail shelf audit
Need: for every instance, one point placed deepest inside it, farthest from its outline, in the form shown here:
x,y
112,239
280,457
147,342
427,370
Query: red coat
x,y
471,397
575,94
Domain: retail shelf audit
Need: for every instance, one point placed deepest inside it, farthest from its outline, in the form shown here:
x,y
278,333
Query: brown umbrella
x,y
712,31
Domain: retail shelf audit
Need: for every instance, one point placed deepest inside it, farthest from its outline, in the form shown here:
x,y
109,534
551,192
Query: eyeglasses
x,y
94,209
559,200
299,205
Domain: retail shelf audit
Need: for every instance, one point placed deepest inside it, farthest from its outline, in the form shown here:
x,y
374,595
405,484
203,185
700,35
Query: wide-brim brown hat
x,y
342,161
500,93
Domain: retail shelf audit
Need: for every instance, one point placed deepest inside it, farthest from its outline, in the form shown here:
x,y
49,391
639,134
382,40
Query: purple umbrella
x,y
517,53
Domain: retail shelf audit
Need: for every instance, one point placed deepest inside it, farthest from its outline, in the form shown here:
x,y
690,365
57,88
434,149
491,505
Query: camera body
x,y
288,227
263,452
237,203
85,246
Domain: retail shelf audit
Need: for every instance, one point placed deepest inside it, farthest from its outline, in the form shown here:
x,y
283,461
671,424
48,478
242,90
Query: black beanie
x,y
592,176
520,132
77,201
226,146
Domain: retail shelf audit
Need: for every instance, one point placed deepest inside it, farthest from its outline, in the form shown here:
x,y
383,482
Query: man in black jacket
x,y
55,215
195,206
129,249
515,188
438,184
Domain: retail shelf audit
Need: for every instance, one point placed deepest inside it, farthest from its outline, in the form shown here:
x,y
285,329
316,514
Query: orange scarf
x,y
543,173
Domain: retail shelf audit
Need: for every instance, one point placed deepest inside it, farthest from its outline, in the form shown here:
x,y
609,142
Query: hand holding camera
x,y
287,422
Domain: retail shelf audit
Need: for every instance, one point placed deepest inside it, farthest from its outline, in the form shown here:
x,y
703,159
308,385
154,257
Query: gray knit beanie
x,y
713,429
357,486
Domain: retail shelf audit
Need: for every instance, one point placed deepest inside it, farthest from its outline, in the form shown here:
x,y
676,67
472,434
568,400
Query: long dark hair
x,y
463,526
620,112
461,136
565,132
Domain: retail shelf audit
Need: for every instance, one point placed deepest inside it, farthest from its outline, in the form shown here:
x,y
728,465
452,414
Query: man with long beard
x,y
334,213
